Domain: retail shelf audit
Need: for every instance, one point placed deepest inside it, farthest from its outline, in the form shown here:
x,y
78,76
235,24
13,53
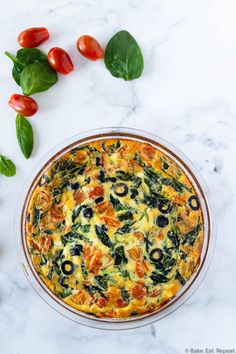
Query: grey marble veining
x,y
186,95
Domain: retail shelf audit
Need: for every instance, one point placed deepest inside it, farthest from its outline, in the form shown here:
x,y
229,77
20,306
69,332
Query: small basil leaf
x,y
25,135
7,167
123,56
37,77
24,57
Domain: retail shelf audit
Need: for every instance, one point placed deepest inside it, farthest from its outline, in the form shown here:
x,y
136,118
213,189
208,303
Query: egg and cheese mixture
x,y
114,228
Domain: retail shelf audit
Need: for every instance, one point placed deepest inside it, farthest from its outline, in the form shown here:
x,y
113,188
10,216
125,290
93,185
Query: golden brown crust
x,y
114,228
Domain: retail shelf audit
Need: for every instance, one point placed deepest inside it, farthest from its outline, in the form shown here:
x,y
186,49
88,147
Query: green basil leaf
x,y
25,135
37,77
7,167
23,58
123,56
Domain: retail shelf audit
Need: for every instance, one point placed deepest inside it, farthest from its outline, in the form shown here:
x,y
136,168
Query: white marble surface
x,y
187,94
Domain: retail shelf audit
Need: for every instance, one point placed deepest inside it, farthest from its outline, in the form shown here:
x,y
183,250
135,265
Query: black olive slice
x,y
162,221
75,185
165,206
44,179
98,161
193,202
76,250
67,267
134,193
156,255
121,189
87,180
99,200
64,282
88,213
166,166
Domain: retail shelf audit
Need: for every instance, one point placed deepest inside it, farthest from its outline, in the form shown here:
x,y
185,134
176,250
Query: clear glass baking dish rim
x,y
209,237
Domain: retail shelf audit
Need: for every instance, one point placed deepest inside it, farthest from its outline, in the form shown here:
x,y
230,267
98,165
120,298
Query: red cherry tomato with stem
x,y
89,47
60,60
24,105
33,37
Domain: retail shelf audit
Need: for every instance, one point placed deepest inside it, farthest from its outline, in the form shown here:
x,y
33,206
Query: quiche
x,y
114,228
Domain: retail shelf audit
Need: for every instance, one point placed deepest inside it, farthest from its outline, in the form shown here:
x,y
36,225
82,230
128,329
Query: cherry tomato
x,y
33,37
24,105
60,61
89,47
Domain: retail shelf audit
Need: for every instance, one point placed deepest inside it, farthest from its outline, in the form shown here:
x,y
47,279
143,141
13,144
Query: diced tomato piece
x,y
141,268
102,302
95,261
149,152
43,200
96,192
35,246
79,196
135,253
139,290
178,200
89,251
110,313
42,243
122,150
80,156
110,222
139,235
160,236
120,303
81,298
104,208
46,242
56,214
154,293
46,222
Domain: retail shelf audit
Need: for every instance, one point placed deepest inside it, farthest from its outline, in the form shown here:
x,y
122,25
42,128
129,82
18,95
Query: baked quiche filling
x,y
114,228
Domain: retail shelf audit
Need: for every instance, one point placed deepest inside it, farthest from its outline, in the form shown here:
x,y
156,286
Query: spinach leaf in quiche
x,y
102,281
76,212
102,235
117,205
126,228
125,216
190,237
158,278
179,277
91,289
36,216
85,228
173,236
119,255
165,265
71,237
124,294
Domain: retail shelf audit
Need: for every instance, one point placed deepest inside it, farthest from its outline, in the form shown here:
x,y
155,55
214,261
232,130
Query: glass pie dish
x,y
208,220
